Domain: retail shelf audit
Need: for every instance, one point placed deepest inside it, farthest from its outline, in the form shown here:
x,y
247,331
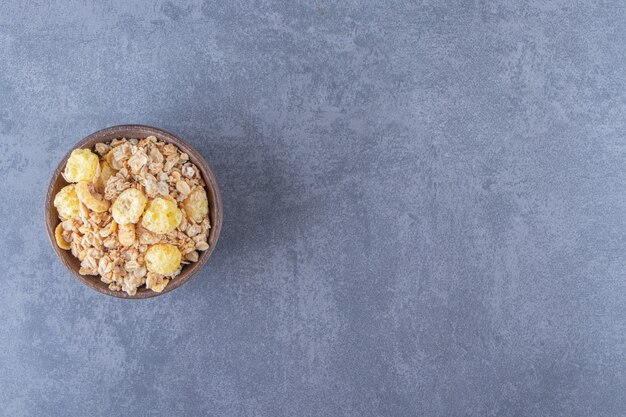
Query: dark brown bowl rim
x,y
105,135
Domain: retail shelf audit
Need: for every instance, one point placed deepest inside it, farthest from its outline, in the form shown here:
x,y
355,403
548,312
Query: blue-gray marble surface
x,y
424,201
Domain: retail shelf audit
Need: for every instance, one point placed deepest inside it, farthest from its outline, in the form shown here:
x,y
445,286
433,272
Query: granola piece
x,y
129,287
196,205
193,230
140,271
164,190
129,206
174,177
169,149
170,163
103,176
114,186
183,188
88,266
102,148
184,224
104,266
186,246
191,256
146,237
163,259
121,152
108,158
115,158
81,165
202,245
150,184
188,170
122,173
126,234
137,161
156,282
156,157
202,237
107,230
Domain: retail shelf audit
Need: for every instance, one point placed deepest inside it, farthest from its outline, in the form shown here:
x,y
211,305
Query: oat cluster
x,y
135,212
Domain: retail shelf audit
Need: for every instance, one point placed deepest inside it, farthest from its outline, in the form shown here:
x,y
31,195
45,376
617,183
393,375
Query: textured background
x,y
425,206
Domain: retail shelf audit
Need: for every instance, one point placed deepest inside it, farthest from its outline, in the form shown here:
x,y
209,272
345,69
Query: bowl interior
x,y
136,131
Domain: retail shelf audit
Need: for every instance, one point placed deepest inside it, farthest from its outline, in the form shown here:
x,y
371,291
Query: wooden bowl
x,y
136,131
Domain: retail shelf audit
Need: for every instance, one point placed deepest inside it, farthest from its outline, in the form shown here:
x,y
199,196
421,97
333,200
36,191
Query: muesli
x,y
134,212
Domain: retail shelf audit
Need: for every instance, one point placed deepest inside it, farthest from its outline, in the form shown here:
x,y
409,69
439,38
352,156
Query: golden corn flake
x,y
81,166
66,203
163,259
58,235
129,206
162,215
196,205
85,193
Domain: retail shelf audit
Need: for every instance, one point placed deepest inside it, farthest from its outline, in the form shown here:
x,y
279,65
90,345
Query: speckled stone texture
x,y
425,208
